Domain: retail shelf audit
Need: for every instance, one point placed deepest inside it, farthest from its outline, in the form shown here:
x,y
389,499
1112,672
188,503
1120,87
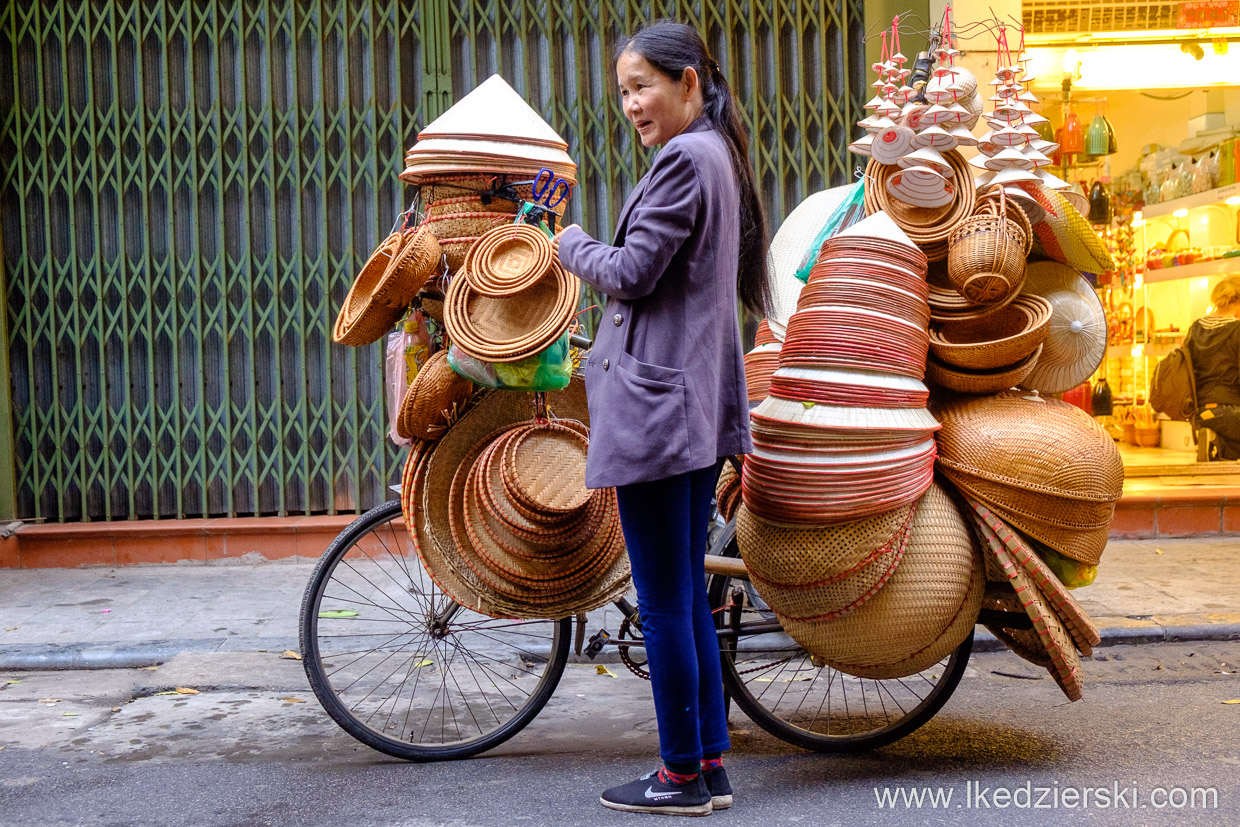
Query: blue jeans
x,y
665,526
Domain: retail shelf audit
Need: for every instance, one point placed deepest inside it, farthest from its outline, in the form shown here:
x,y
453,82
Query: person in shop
x,y
1213,343
665,384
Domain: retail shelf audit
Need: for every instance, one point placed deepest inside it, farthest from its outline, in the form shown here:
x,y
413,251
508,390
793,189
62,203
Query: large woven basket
x,y
996,340
925,610
417,261
986,252
822,573
1045,466
978,382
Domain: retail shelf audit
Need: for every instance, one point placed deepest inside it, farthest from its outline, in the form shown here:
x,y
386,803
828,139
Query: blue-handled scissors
x,y
547,189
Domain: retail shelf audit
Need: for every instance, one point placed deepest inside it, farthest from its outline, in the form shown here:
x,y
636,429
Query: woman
x,y
1213,343
666,384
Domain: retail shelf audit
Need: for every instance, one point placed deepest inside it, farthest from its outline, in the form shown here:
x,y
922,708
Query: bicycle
x,y
406,670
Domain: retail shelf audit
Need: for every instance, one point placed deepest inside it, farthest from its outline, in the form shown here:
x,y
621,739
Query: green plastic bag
x,y
849,212
550,370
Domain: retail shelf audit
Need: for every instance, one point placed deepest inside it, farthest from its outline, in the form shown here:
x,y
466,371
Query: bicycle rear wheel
x,y
405,669
816,708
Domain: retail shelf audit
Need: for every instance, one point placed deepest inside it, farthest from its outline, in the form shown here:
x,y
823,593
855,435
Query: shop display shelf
x,y
1189,202
1217,267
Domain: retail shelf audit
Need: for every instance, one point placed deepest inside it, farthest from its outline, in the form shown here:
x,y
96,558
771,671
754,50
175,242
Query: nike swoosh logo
x,y
650,793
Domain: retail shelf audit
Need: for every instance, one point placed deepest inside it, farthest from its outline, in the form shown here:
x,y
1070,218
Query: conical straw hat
x,y
494,112
1077,339
788,249
878,225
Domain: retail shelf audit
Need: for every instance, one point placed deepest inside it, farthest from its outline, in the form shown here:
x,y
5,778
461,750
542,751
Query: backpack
x,y
1172,389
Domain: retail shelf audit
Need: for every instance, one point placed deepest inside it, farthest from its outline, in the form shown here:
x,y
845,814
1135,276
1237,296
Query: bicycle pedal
x,y
597,641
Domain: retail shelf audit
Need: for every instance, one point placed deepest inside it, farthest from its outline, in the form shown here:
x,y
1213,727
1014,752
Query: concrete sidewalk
x,y
106,617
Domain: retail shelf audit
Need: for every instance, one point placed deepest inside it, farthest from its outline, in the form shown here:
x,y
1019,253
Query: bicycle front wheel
x,y
406,670
778,686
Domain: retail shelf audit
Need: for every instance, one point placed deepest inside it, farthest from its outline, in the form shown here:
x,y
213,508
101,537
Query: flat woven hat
x,y
925,610
1076,337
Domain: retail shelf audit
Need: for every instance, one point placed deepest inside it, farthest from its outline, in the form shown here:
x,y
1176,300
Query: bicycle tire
x,y
786,718
474,647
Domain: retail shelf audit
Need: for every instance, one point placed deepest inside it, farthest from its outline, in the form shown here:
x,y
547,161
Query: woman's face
x,y
658,107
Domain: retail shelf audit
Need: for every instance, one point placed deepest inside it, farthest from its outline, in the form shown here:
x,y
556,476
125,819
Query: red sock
x,y
709,764
669,777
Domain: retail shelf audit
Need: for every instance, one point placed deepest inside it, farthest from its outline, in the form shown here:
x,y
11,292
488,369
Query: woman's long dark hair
x,y
671,48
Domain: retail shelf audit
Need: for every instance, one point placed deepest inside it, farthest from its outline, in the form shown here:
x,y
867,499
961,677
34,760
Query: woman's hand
x,y
555,242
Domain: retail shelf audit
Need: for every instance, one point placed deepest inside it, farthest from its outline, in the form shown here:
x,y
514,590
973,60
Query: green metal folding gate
x,y
187,188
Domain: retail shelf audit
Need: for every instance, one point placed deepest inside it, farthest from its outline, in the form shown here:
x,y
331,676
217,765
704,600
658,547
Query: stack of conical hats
x,y
490,130
845,433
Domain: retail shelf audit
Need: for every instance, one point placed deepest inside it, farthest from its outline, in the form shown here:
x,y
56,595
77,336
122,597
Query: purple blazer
x,y
665,381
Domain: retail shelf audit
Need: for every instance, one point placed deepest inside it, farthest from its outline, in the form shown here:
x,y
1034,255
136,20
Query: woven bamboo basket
x,y
980,383
362,320
436,396
1044,466
455,250
466,224
417,261
925,610
986,252
996,340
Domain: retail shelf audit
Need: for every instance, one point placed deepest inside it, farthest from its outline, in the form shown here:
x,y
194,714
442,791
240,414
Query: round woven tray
x,y
435,397
925,610
363,320
996,340
544,469
980,383
426,494
508,259
510,329
821,573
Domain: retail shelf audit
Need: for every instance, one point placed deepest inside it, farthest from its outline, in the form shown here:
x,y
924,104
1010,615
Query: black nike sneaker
x,y
720,789
649,794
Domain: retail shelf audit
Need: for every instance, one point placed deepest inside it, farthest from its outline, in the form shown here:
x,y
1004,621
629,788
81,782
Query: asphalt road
x,y
103,748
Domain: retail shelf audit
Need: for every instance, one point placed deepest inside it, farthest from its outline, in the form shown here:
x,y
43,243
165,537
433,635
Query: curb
x,y
70,656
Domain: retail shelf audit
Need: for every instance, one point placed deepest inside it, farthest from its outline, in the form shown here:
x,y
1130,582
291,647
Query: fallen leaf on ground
x,y
157,694
185,690
293,700
11,628
11,681
1158,551
289,654
116,709
336,613
150,668
603,670
49,700
422,663
1233,701
70,714
765,680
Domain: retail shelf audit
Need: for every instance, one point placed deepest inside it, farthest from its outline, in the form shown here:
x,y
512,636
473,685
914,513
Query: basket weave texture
x,y
1042,465
986,252
433,496
981,383
997,340
925,610
433,400
362,319
928,227
822,573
